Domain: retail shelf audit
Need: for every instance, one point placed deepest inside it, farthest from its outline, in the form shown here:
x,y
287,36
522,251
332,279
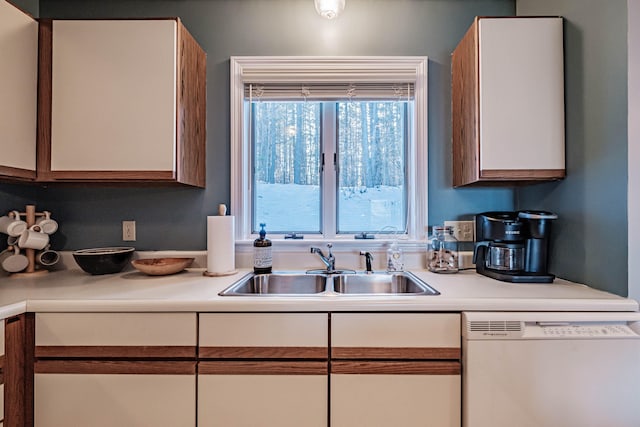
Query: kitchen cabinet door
x,y
127,102
508,101
115,369
395,369
248,394
263,369
377,394
112,393
18,86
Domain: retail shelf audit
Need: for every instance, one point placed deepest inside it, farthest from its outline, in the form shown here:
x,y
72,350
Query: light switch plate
x,y
129,231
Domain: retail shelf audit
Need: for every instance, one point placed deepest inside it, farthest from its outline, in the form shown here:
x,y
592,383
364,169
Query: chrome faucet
x,y
329,261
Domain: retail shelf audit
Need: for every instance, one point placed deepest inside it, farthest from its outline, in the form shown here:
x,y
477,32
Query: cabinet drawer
x,y
395,336
264,335
95,335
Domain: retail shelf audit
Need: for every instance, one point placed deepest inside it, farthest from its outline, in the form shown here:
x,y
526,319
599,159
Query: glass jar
x,y
442,250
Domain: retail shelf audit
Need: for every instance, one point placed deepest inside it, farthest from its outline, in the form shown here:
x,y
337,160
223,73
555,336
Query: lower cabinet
x,y
106,394
246,369
399,369
395,394
279,394
115,369
263,369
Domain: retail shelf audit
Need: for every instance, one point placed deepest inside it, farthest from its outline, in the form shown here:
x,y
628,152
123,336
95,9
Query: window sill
x,y
339,245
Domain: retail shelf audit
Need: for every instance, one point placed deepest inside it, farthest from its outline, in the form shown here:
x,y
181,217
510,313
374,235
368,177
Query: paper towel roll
x,y
221,246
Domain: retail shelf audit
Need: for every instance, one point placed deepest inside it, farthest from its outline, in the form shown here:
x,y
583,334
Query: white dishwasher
x,y
539,369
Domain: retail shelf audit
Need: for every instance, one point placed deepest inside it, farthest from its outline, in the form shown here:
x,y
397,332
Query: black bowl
x,y
103,260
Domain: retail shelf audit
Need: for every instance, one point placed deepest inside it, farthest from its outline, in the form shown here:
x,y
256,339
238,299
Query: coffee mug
x,y
12,240
13,262
12,224
47,257
48,225
33,238
5,254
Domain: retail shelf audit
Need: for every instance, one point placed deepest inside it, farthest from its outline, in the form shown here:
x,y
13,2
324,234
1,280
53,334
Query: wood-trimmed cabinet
x,y
2,373
395,369
276,363
508,101
17,371
18,86
121,100
243,369
107,369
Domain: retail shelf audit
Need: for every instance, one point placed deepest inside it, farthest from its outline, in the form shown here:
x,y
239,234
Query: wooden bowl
x,y
161,266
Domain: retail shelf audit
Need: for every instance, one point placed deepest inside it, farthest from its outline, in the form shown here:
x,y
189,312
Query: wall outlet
x,y
129,231
463,231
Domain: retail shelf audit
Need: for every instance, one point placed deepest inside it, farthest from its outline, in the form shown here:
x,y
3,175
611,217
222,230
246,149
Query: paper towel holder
x,y
222,211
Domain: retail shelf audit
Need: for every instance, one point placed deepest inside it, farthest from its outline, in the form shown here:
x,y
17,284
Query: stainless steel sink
x,y
278,284
300,284
402,283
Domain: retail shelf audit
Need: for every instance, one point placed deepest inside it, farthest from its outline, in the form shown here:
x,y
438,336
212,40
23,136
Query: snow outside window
x,y
329,148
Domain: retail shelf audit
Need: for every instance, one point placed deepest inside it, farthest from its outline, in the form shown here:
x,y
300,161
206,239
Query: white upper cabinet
x,y
18,86
127,102
508,101
113,95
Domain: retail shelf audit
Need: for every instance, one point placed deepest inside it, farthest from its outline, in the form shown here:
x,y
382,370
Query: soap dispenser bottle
x,y
395,258
262,260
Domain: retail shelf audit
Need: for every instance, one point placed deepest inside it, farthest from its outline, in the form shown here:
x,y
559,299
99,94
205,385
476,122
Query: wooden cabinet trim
x,y
165,352
263,368
109,176
17,174
524,175
418,353
396,368
114,367
45,63
18,370
191,112
465,99
263,353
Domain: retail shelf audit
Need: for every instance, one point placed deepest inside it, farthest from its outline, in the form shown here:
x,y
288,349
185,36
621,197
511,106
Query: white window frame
x,y
272,69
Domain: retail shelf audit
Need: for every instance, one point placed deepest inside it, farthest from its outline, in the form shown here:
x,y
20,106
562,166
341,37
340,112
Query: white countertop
x,y
76,291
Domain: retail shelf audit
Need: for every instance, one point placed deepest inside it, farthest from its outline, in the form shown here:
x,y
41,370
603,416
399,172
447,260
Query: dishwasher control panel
x,y
577,330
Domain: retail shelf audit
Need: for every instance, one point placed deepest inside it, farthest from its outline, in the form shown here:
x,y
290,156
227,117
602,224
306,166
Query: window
x,y
329,147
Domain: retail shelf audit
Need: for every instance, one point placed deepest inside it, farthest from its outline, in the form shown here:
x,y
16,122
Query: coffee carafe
x,y
514,246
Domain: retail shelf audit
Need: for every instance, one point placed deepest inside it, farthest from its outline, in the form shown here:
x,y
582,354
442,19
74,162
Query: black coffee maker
x,y
514,246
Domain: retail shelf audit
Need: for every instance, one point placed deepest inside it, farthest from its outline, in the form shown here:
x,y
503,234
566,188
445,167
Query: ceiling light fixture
x,y
329,9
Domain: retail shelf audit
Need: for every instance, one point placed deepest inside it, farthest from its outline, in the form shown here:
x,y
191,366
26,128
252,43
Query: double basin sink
x,y
305,284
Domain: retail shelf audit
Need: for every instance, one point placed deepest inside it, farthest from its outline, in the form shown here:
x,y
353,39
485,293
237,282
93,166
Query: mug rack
x,y
30,216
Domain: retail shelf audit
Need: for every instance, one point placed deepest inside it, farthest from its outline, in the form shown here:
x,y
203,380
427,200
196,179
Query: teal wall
x,y
175,218
29,6
590,239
